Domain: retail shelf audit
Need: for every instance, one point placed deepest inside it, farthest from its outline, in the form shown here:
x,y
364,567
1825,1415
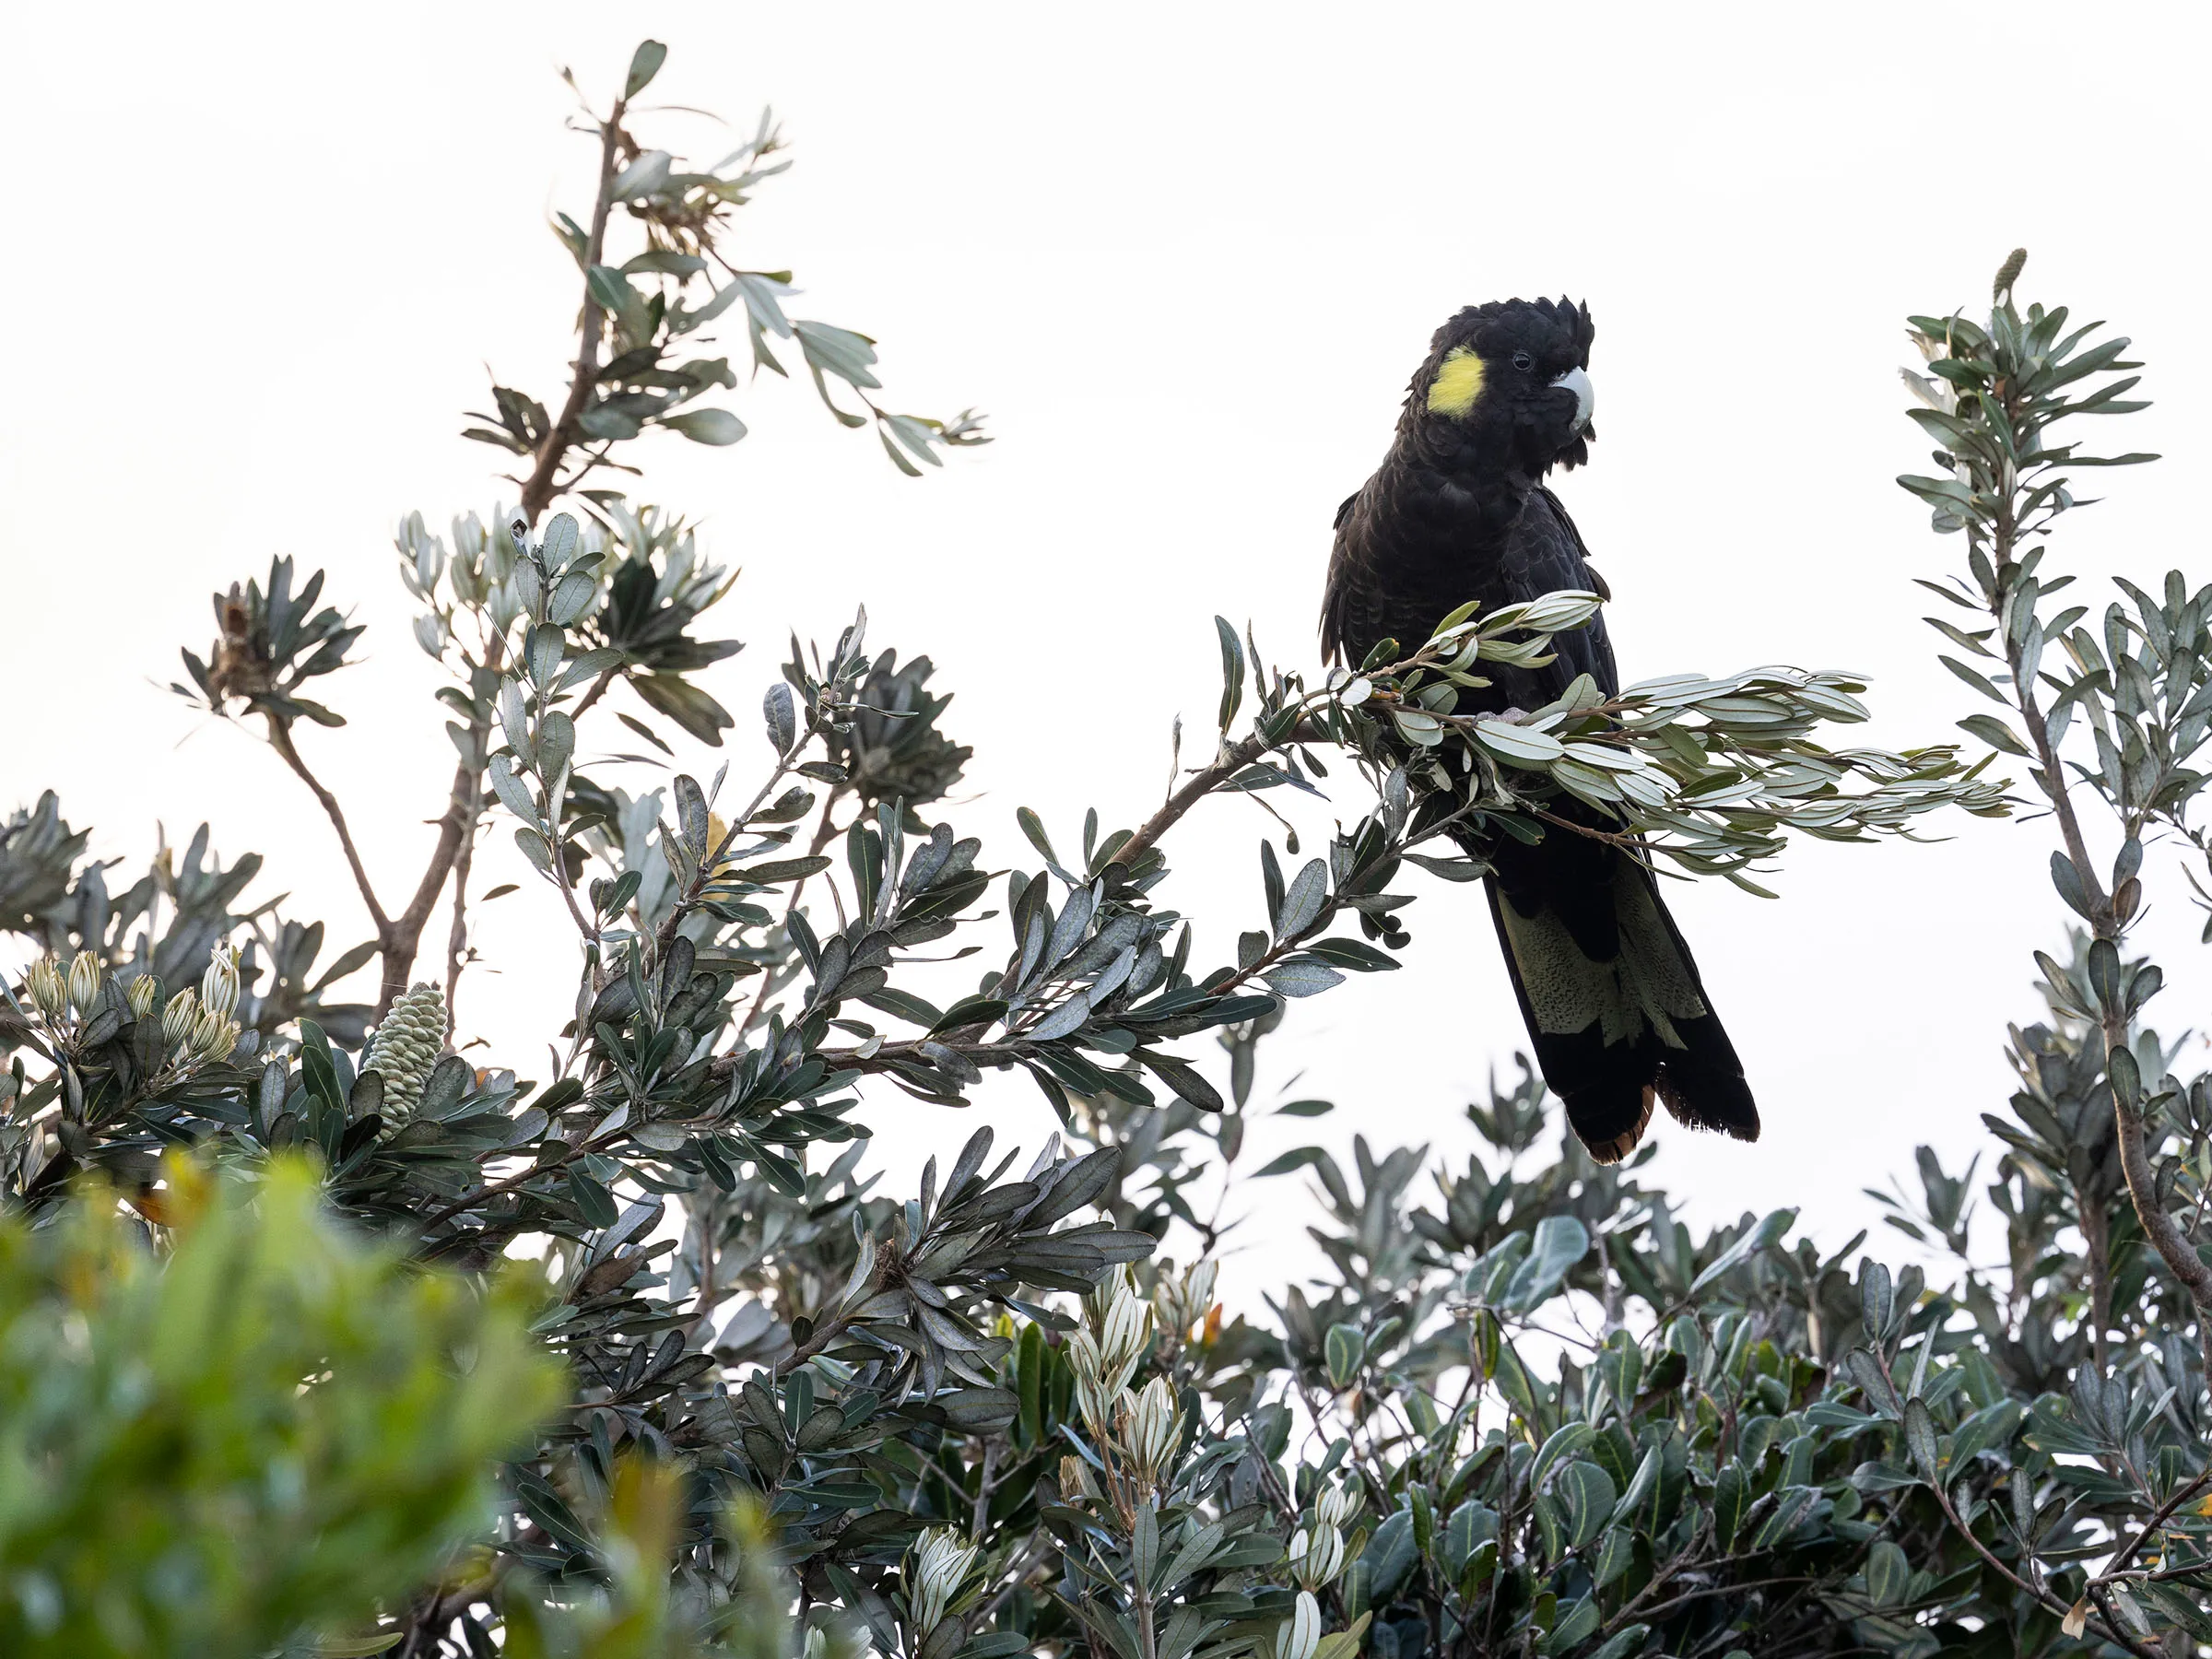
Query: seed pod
x,y
1124,1335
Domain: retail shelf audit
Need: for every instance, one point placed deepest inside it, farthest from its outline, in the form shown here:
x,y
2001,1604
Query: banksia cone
x,y
405,1047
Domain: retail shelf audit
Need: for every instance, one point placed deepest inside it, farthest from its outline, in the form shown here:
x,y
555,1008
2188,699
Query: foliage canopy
x,y
1527,1412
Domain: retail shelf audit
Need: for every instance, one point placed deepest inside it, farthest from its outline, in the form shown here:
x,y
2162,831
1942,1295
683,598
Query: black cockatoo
x,y
1459,510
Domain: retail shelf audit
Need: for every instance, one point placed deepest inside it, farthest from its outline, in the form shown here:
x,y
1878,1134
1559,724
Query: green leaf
x,y
1518,745
1559,1242
684,704
1889,1574
1875,1298
559,545
1232,671
1624,1642
1573,1627
717,427
1996,733
1296,978
1769,1232
1973,677
1641,1486
1590,1496
1346,1347
644,64
1563,1442
1185,1081
1919,1436
1390,1555
777,870
1732,1498
592,1199
2068,882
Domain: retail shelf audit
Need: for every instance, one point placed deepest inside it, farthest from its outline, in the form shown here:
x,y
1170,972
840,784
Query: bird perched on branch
x,y
1459,510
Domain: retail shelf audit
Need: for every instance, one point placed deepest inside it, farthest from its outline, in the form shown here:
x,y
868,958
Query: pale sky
x,y
1186,259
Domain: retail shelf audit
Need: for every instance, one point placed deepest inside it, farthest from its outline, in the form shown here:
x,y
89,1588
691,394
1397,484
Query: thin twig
x,y
541,486
823,834
407,928
456,942
2181,1494
280,739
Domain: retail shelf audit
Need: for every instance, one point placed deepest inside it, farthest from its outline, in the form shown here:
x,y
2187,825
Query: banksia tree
x,y
983,1419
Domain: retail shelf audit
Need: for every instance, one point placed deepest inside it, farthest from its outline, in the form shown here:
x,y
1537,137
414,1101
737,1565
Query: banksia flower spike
x,y
47,988
84,982
212,1036
179,1016
1315,1556
1336,1506
1149,1427
219,985
405,1047
1105,1361
938,1567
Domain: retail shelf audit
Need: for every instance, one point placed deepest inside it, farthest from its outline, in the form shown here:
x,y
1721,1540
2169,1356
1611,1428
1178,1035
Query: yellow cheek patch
x,y
1457,384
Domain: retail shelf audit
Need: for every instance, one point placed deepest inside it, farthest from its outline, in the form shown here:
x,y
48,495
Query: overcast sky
x,y
1187,258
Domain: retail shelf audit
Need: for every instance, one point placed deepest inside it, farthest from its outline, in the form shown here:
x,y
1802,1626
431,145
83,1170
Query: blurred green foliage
x,y
273,1425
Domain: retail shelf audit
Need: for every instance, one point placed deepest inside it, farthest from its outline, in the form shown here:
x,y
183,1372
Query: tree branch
x,y
542,485
1233,759
2105,921
456,941
2118,1569
2097,1256
280,739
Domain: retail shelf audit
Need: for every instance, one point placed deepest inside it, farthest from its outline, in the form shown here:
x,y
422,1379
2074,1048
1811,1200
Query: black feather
x,y
1458,510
